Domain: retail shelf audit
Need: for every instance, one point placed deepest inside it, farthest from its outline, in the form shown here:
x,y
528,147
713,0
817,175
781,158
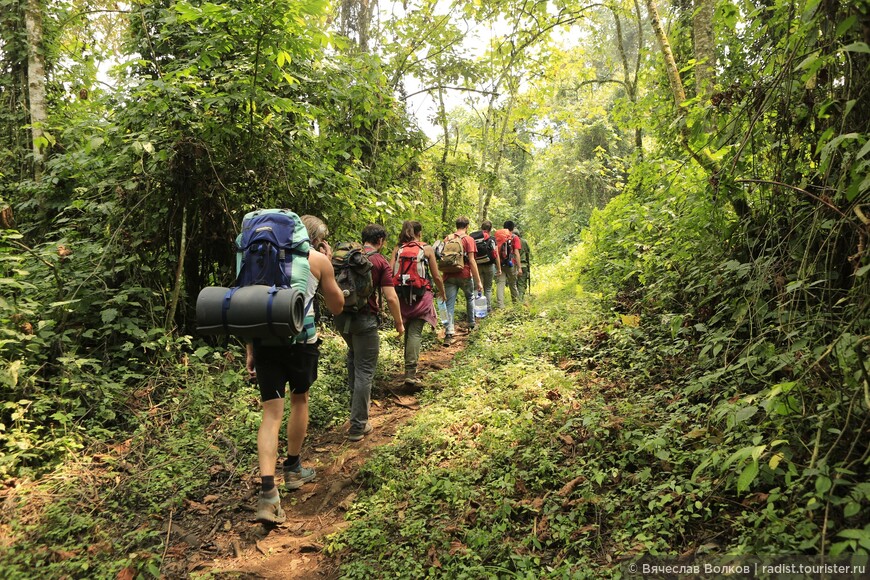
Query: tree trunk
x,y
179,271
356,20
630,82
702,157
36,84
443,177
677,90
705,47
482,192
638,133
499,153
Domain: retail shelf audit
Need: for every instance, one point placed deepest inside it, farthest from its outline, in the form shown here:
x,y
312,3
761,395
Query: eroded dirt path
x,y
219,534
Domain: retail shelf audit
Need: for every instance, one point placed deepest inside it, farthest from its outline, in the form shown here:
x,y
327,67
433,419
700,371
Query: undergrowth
x,y
588,430
193,428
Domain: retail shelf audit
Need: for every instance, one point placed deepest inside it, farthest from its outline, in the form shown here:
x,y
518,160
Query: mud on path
x,y
219,536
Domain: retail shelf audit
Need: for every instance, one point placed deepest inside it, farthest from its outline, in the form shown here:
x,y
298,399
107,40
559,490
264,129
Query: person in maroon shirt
x,y
457,281
360,332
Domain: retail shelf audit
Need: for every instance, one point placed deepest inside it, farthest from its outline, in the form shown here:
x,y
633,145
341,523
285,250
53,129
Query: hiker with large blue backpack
x,y
275,255
359,323
415,271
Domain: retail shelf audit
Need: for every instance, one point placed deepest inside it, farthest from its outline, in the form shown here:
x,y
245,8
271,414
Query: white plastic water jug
x,y
481,306
442,311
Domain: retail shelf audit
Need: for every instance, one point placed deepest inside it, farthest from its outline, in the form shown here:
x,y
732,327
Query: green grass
x,y
565,441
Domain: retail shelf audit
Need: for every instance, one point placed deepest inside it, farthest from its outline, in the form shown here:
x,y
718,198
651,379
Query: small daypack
x,y
453,256
485,247
411,272
353,273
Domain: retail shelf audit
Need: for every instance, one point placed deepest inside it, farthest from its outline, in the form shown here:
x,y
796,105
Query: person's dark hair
x,y
486,226
373,233
509,225
462,222
409,232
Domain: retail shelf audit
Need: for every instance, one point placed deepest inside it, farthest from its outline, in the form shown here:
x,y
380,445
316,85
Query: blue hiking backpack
x,y
272,250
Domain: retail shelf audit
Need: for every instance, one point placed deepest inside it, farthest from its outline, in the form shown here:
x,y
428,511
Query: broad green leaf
x,y
856,47
852,508
745,413
837,548
823,484
854,534
109,314
202,351
747,476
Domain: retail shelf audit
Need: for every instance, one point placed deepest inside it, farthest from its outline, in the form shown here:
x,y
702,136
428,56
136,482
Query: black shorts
x,y
277,366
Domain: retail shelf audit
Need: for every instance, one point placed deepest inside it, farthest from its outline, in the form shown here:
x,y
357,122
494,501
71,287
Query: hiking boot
x,y
296,477
269,509
411,377
357,436
449,339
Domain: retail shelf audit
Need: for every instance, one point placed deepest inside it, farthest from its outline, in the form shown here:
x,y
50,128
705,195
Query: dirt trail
x,y
219,534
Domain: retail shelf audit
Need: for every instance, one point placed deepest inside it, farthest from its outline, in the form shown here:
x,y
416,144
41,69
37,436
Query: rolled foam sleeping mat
x,y
248,311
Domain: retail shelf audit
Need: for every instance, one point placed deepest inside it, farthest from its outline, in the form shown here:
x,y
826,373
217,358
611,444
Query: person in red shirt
x,y
488,266
462,280
511,268
360,332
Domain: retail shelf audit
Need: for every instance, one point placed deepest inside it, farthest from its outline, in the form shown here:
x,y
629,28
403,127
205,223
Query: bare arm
x,y
322,269
393,302
475,274
436,274
516,253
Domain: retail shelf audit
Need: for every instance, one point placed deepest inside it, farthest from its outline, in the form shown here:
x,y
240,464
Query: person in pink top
x,y
417,306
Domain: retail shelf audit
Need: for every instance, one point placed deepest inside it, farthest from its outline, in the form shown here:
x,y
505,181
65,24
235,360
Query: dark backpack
x,y
485,247
411,272
353,273
452,260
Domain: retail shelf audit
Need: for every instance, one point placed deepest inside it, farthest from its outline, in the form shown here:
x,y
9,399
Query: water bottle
x,y
442,311
481,305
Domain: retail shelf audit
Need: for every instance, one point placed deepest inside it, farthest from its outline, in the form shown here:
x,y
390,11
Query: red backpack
x,y
411,272
504,239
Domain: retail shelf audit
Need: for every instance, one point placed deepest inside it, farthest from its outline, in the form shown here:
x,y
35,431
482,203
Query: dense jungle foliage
x,y
692,177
